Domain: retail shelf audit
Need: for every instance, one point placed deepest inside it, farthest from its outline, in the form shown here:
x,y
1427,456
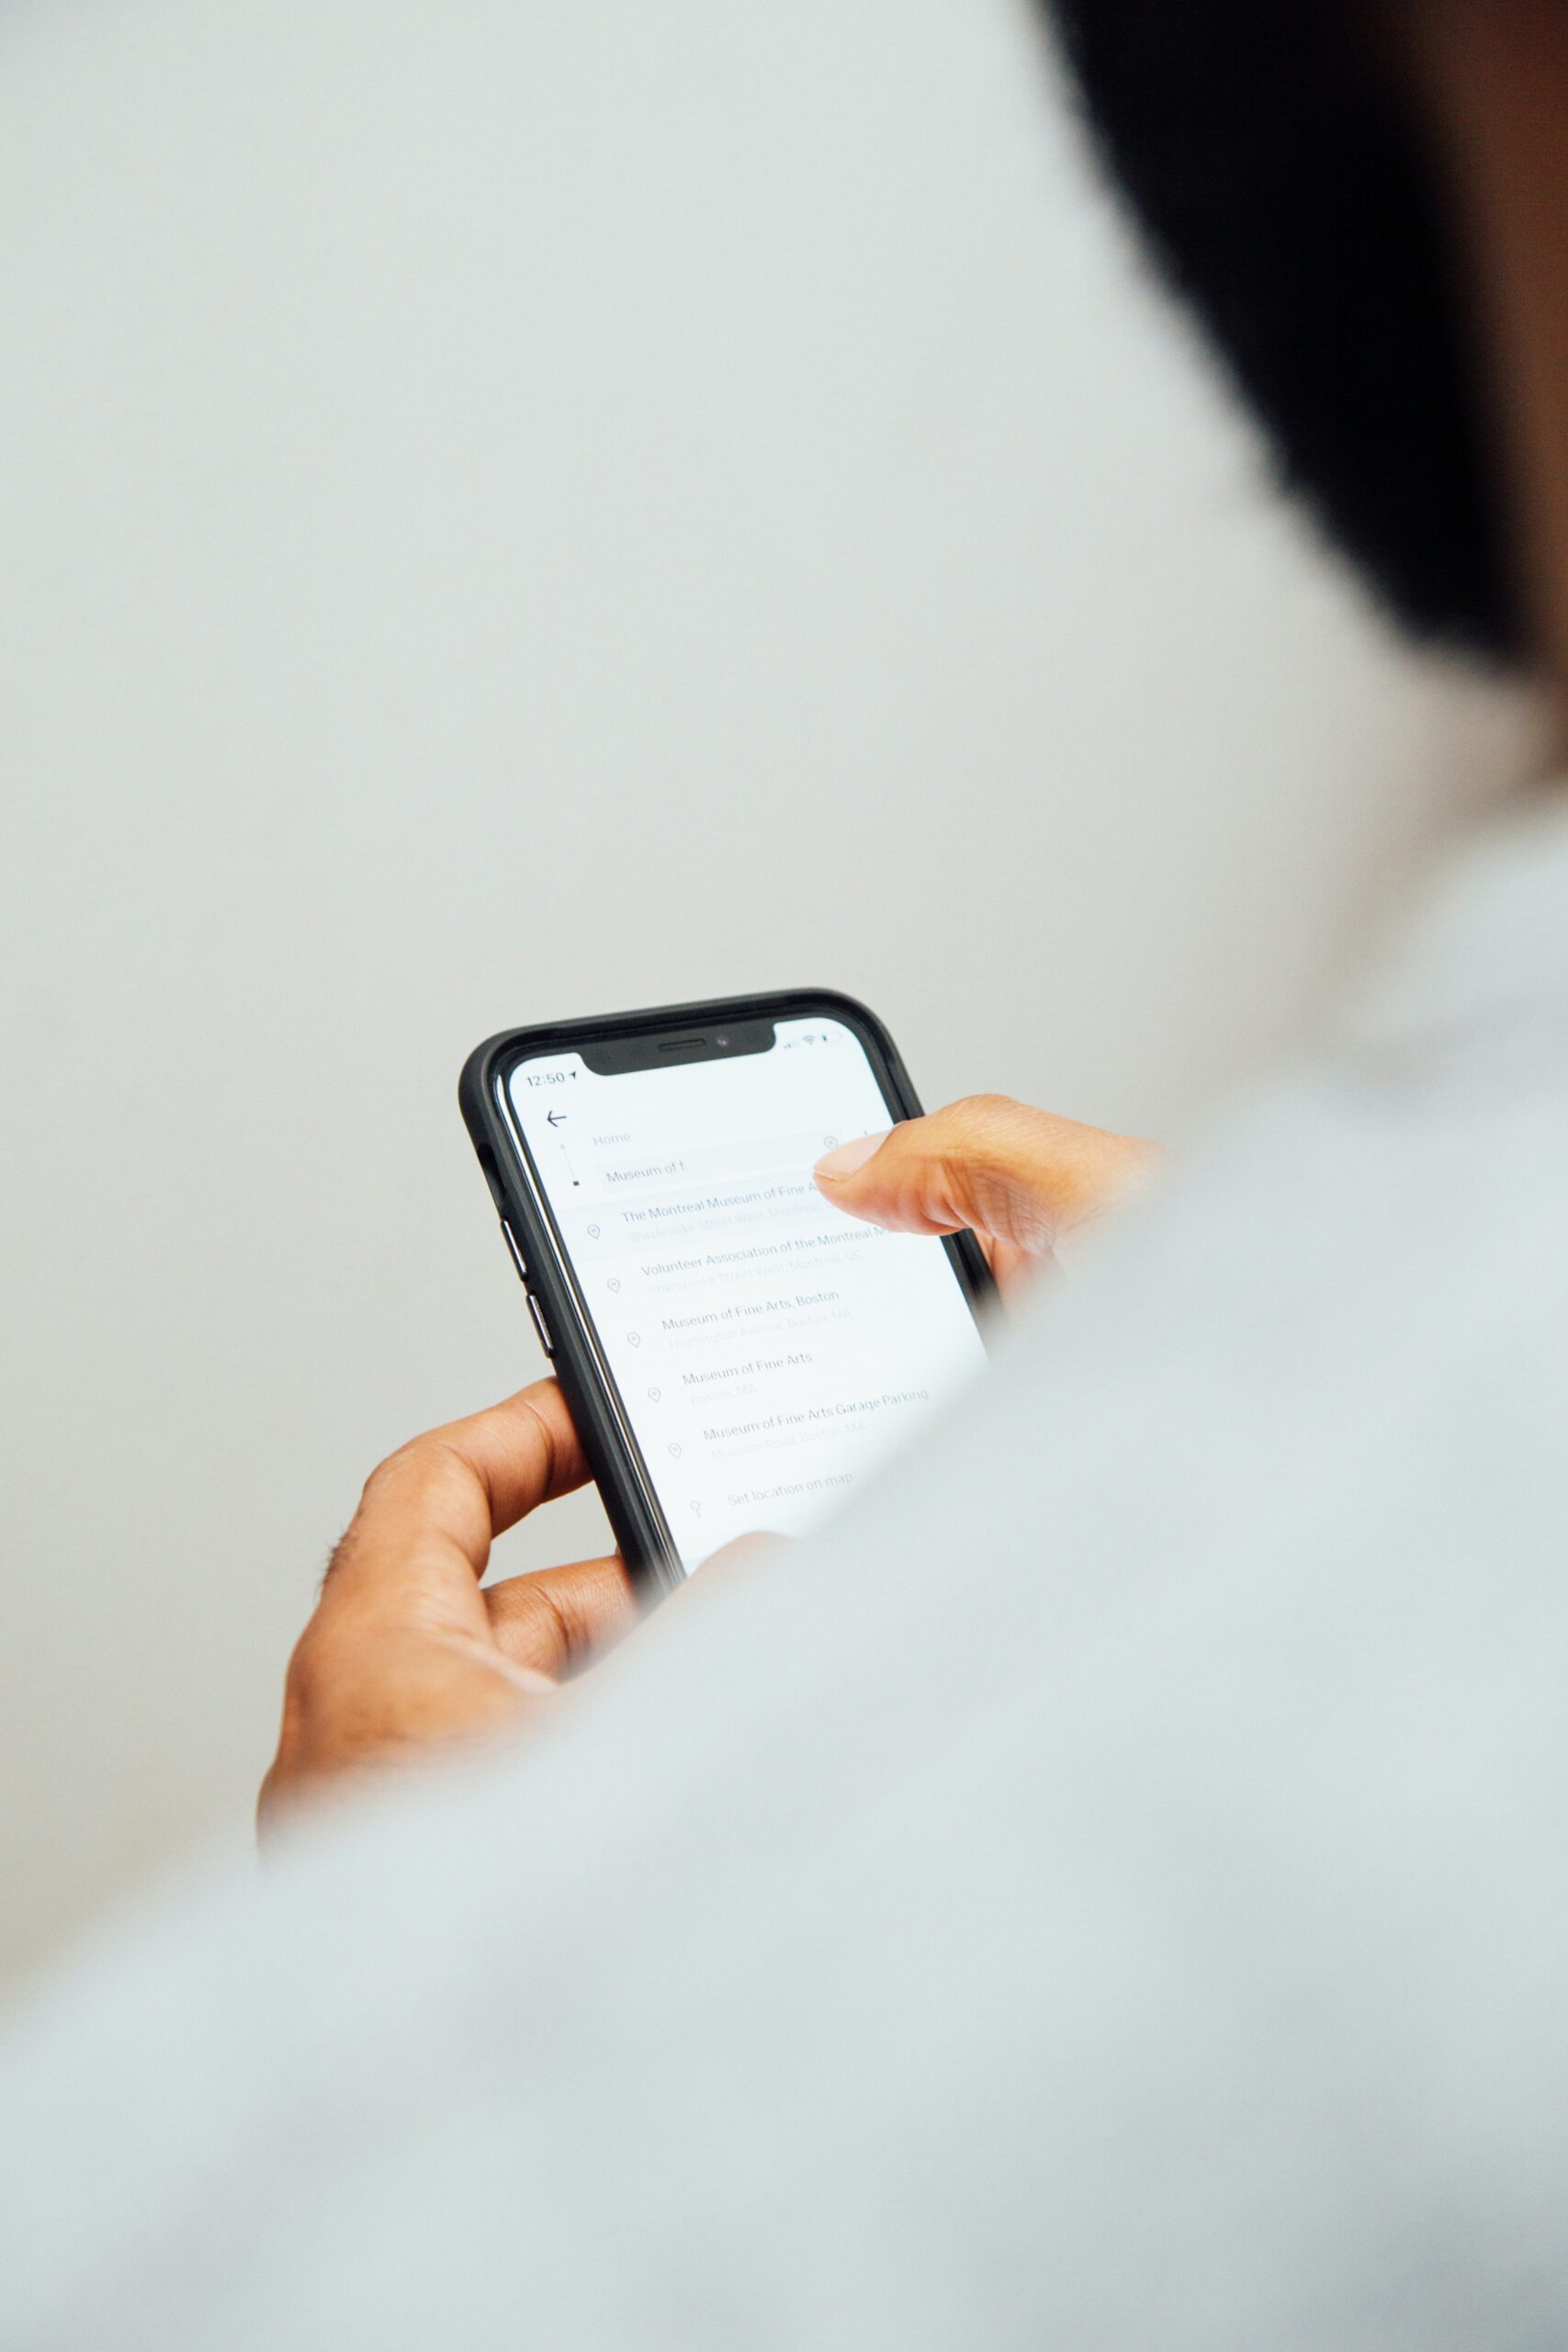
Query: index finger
x,y
1003,1168
429,1512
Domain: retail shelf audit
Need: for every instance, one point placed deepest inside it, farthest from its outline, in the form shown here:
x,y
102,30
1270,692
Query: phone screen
x,y
770,1352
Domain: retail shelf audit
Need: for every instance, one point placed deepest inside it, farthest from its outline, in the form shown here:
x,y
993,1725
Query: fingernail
x,y
837,1165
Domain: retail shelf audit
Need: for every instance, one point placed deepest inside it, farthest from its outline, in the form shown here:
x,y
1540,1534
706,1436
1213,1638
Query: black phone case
x,y
624,1482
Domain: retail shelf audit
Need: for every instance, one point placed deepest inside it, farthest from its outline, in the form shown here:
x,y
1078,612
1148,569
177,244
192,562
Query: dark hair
x,y
1283,186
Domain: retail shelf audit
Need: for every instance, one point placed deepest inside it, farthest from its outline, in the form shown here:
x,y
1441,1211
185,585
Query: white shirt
x,y
1109,1891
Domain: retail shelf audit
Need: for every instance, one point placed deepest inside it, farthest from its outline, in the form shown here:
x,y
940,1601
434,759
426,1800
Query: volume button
x,y
543,1329
516,1253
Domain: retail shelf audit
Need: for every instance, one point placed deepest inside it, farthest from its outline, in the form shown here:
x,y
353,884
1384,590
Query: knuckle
x,y
985,1162
406,1471
384,1474
311,1672
978,1118
397,1464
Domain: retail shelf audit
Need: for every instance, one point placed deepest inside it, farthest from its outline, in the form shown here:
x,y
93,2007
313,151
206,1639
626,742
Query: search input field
x,y
617,1171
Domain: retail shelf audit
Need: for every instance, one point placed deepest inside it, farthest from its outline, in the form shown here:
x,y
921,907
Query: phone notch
x,y
653,1049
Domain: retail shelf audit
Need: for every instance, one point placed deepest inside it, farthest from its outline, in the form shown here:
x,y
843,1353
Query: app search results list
x,y
771,1351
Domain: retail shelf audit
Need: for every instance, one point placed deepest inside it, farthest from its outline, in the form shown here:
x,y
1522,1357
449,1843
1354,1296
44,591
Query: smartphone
x,y
738,1355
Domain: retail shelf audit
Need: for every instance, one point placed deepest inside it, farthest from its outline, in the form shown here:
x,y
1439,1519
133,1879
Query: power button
x,y
543,1329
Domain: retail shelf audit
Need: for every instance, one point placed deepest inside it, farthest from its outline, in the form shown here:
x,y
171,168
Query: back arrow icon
x,y
555,1117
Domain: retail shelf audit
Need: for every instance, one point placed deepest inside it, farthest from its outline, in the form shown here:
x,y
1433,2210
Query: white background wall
x,y
513,510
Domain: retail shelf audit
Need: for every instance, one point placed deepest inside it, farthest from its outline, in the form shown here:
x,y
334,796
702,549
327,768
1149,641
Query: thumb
x,y
1015,1175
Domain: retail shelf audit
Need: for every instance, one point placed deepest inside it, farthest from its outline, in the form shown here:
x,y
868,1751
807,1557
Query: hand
x,y
1020,1179
405,1651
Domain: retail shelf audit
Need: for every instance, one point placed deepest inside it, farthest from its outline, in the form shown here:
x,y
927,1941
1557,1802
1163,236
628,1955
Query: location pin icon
x,y
634,1338
656,1394
675,1450
614,1282
593,1233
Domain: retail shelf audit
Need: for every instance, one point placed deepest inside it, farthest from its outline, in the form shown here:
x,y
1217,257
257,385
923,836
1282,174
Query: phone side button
x,y
516,1253
543,1329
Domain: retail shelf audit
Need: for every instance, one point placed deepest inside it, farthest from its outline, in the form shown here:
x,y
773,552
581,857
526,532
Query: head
x,y
1361,203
